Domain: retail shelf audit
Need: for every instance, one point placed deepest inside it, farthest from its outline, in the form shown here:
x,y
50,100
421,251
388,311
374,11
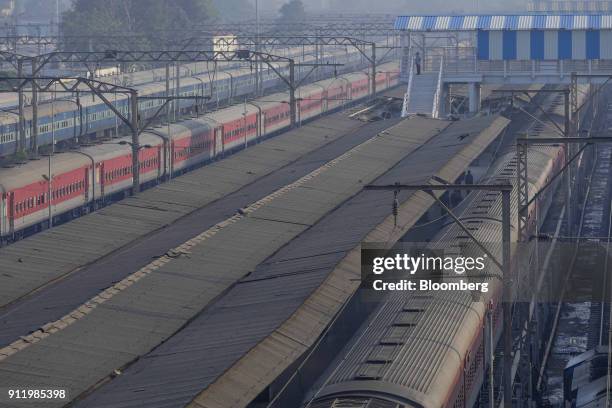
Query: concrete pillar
x,y
474,96
405,58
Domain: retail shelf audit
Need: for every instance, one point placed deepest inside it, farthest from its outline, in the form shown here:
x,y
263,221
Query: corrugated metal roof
x,y
504,22
511,23
421,365
251,242
28,264
348,270
278,287
52,303
524,22
174,290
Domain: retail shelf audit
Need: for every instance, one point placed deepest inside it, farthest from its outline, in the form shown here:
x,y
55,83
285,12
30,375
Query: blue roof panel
x,y
456,22
538,22
594,22
504,22
567,22
429,22
401,23
511,22
484,22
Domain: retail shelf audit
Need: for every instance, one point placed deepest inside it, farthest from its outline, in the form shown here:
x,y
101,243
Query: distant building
x,y
225,43
563,6
7,7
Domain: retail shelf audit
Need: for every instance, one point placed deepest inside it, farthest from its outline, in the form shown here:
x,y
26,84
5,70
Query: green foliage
x,y
293,11
152,19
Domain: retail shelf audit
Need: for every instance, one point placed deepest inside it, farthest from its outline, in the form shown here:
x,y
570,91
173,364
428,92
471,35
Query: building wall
x,y
7,7
544,44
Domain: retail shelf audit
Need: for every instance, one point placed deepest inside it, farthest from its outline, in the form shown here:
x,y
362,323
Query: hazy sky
x,y
408,6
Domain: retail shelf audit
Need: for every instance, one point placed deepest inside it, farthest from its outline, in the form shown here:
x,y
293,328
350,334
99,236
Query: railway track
x,y
582,321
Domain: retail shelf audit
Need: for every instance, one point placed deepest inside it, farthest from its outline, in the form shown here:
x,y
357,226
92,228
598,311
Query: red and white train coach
x,y
81,179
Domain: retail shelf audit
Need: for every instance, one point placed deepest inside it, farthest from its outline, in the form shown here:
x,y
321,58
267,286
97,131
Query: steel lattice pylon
x,y
523,189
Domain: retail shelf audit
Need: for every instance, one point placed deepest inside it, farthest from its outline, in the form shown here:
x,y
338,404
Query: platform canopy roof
x,y
505,22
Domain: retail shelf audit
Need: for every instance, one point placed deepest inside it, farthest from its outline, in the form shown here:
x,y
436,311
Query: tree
x,y
234,10
292,11
151,19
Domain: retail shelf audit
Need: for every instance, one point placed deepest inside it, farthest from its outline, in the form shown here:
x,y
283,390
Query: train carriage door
x,y
262,123
219,148
3,216
170,158
11,213
324,101
160,159
345,90
259,118
86,186
102,181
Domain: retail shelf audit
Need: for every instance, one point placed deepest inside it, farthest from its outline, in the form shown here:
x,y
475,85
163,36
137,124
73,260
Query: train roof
x,y
272,100
402,327
179,129
44,109
30,172
232,113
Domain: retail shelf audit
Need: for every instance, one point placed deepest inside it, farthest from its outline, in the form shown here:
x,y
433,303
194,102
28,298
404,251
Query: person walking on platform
x,y
455,198
469,179
417,63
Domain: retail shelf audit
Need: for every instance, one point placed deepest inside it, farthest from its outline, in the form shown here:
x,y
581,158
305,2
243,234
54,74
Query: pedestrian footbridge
x,y
499,50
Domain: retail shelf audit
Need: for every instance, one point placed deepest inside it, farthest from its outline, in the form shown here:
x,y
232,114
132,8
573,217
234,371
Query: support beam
x,y
567,153
523,190
34,132
21,143
474,97
177,92
373,68
135,142
507,301
292,100
168,108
